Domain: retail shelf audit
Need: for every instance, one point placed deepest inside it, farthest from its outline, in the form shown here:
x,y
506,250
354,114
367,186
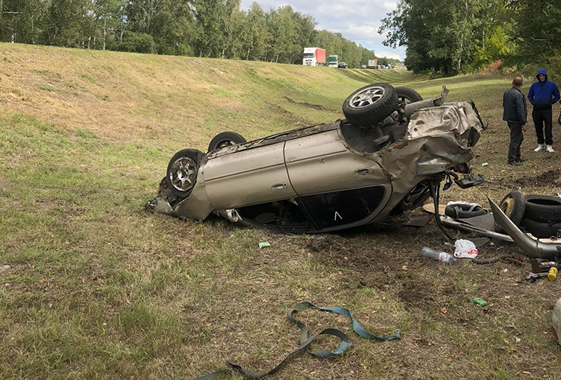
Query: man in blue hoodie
x,y
542,95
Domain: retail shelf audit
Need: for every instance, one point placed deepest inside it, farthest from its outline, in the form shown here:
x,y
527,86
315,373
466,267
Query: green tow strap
x,y
305,341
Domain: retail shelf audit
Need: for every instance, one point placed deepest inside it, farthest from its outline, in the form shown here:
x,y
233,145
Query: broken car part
x,y
533,247
531,276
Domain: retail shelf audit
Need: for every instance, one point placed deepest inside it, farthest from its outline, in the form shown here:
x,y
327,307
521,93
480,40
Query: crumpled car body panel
x,y
330,176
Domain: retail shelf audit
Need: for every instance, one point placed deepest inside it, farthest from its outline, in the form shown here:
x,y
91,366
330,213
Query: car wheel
x,y
224,139
182,171
543,208
407,95
513,205
370,104
542,230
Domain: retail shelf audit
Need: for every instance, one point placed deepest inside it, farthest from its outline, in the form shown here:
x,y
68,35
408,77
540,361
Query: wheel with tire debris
x,y
543,208
513,205
541,230
370,104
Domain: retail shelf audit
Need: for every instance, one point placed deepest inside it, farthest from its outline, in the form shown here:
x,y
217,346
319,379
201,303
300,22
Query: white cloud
x,y
389,55
356,20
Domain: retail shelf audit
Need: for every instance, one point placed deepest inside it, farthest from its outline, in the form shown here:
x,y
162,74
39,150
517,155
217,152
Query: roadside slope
x,y
122,96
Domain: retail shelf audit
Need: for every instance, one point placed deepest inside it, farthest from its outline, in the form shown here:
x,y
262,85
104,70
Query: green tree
x,y
366,56
538,29
22,21
212,26
282,27
440,36
173,28
68,20
255,34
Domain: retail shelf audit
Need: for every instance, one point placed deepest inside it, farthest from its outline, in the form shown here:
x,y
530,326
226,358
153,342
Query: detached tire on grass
x,y
513,205
543,208
370,104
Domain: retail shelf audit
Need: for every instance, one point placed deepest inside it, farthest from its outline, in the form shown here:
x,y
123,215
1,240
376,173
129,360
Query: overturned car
x,y
389,155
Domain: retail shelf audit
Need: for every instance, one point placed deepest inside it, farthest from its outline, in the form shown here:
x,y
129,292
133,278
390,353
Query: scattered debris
x,y
419,221
535,248
493,259
552,274
480,302
482,242
532,277
264,244
444,257
306,340
465,249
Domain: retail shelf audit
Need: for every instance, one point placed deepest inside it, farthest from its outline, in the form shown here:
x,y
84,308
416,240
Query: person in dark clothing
x,y
542,95
515,114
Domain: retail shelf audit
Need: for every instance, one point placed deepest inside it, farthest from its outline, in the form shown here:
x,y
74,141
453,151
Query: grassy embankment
x,y
98,288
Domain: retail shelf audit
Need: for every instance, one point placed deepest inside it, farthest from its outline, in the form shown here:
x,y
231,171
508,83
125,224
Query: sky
x,y
356,20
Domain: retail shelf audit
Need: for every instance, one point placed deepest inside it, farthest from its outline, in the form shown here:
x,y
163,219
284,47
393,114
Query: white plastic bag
x,y
465,249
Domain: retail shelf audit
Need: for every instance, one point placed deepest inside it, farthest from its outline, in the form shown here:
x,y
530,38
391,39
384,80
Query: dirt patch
x,y
288,115
414,293
549,178
306,104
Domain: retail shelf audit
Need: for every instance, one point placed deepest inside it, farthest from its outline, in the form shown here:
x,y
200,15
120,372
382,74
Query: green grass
x,y
100,289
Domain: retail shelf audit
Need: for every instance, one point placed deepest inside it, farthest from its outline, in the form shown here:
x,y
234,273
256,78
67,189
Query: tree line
x,y
204,28
448,37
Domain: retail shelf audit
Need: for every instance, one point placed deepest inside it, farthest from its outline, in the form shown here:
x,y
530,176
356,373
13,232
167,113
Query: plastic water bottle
x,y
438,255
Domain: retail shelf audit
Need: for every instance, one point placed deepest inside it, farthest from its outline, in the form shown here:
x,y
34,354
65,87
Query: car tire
x,y
181,174
224,139
463,210
513,205
370,104
543,208
541,230
407,95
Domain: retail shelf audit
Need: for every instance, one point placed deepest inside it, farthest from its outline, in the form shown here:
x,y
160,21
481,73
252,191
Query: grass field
x,y
94,287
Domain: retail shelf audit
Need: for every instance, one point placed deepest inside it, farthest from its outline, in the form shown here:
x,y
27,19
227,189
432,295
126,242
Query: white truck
x,y
313,56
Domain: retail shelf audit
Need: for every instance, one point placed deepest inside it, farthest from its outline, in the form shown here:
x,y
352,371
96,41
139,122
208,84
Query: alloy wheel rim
x,y
183,173
367,97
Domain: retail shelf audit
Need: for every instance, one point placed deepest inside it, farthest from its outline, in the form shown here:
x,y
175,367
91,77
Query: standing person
x,y
542,95
515,114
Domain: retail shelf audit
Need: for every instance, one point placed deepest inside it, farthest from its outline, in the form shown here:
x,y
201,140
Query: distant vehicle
x,y
363,66
313,56
333,61
342,65
372,64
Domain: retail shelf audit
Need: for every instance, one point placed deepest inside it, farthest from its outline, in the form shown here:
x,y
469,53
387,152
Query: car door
x,y
248,177
336,185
